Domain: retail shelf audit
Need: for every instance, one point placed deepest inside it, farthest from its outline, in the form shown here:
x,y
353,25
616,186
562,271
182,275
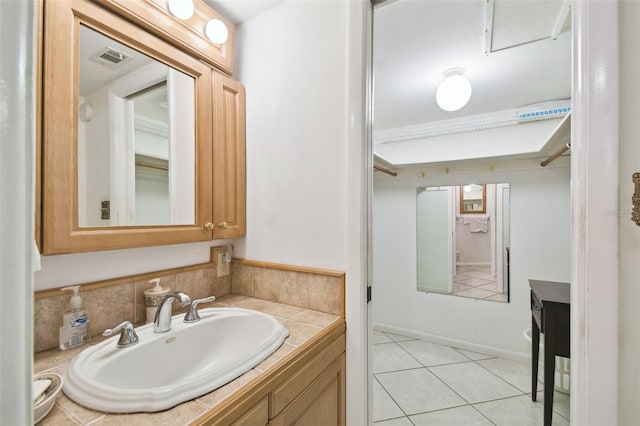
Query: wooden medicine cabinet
x,y
129,156
473,199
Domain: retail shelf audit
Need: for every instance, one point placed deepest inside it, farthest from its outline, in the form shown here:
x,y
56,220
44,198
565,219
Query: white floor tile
x,y
383,406
402,421
474,383
391,357
516,373
466,415
380,337
418,391
474,355
520,411
432,353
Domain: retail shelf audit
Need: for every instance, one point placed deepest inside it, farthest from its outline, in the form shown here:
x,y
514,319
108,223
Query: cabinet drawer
x,y
284,394
322,403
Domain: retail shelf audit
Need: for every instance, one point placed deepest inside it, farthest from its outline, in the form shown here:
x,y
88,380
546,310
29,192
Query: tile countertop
x,y
303,325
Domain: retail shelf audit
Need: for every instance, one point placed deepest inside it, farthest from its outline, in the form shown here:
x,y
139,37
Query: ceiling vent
x,y
110,57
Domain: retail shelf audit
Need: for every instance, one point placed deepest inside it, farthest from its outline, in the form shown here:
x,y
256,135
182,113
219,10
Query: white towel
x,y
479,224
476,223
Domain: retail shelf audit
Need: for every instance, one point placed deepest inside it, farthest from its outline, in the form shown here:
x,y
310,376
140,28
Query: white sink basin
x,y
165,369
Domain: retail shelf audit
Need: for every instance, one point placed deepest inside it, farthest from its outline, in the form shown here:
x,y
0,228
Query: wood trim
x,y
258,415
229,158
43,294
60,230
288,391
293,268
39,73
249,395
154,16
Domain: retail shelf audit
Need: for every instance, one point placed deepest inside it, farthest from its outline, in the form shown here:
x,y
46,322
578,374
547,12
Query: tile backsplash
x,y
319,290
113,301
109,305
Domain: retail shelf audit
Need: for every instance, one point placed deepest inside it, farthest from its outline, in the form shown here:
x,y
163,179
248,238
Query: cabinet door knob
x,y
208,226
222,225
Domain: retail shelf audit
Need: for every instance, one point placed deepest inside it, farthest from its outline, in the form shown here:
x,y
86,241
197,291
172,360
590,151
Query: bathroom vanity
x,y
304,379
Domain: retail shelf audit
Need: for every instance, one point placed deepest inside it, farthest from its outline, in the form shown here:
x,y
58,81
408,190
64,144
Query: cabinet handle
x,y
208,226
222,225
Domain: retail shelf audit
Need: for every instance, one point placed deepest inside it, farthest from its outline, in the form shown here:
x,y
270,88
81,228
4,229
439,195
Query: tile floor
x,y
477,282
422,383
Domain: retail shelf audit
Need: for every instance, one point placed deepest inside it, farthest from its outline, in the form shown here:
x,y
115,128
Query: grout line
x,y
392,398
483,415
500,377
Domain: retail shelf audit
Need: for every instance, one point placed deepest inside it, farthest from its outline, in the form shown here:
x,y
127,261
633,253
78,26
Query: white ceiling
x,y
416,41
238,11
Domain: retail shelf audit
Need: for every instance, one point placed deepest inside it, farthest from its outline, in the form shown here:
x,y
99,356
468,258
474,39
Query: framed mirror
x,y
463,255
123,165
473,199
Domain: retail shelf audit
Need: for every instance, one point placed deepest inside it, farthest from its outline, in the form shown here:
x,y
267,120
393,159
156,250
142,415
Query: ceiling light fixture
x,y
454,91
182,9
216,31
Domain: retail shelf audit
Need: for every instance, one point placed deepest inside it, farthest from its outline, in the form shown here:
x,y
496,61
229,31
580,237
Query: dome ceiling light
x,y
216,31
454,91
181,9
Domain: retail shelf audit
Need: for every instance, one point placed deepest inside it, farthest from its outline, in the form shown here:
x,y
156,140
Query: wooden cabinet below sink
x,y
307,390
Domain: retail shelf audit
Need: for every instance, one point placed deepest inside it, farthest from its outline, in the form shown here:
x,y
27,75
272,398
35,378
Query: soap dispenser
x,y
75,322
152,298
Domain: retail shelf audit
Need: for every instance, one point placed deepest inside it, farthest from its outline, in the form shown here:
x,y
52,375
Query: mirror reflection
x,y
464,253
136,147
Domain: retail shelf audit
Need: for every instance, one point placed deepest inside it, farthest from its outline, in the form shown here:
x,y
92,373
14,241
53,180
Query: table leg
x,y
549,371
535,353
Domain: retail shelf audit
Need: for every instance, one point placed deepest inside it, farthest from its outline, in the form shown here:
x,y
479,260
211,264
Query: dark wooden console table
x,y
550,303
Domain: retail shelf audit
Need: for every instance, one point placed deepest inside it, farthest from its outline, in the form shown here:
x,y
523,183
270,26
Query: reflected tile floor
x,y
477,282
416,382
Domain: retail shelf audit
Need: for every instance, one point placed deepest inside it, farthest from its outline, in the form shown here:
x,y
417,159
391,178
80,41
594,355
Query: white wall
x,y
540,240
302,65
294,69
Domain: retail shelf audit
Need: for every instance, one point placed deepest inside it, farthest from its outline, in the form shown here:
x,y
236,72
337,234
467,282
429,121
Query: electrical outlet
x,y
222,267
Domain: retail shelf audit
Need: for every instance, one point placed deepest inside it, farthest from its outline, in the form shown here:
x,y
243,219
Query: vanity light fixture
x,y
181,9
454,91
216,31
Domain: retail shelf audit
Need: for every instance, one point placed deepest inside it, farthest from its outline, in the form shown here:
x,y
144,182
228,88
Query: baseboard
x,y
460,344
473,264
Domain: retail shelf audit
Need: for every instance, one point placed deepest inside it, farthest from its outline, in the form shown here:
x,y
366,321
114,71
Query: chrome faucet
x,y
128,336
162,321
192,312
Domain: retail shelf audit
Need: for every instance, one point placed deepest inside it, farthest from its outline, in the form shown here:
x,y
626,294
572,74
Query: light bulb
x,y
182,9
454,92
216,31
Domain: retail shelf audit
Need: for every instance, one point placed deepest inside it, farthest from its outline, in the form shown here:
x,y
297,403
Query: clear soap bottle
x,y
75,322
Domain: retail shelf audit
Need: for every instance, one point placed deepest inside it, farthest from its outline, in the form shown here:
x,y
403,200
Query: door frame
x,y
594,205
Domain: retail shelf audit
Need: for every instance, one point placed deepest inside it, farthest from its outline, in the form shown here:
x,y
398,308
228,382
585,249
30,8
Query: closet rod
x,y
383,170
151,166
557,154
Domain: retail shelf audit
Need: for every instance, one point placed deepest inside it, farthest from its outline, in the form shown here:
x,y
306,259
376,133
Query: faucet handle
x,y
128,336
192,312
